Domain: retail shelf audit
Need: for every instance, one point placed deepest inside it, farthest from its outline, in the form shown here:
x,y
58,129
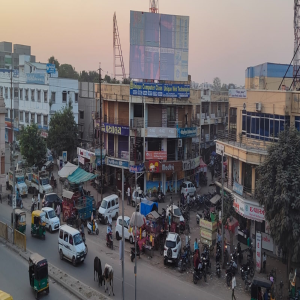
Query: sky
x,y
226,36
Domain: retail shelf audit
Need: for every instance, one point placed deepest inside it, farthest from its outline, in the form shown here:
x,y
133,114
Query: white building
x,y
36,96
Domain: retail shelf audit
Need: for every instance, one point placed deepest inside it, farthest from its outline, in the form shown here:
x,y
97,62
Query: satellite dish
x,y
244,106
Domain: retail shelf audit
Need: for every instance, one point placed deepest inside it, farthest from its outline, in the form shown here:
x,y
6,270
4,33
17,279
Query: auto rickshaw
x,y
5,296
38,274
20,216
260,286
38,224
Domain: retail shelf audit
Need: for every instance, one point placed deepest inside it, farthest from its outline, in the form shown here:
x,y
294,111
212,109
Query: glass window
x,y
21,94
276,131
26,94
16,93
267,127
257,125
281,126
65,236
297,125
76,97
39,121
45,120
39,96
271,127
61,234
70,239
64,96
262,127
21,116
53,97
244,123
113,203
253,131
45,96
248,124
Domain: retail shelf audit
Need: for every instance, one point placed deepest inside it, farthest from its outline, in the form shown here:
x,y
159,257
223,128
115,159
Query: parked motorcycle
x,y
90,228
218,269
239,253
248,267
198,273
230,271
248,282
161,197
72,221
109,241
133,253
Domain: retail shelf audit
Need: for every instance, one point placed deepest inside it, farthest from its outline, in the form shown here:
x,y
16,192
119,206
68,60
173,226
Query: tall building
x,y
2,142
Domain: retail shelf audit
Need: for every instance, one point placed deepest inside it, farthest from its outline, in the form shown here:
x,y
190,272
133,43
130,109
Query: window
x,y
32,95
81,114
2,164
53,97
45,120
108,205
138,110
21,94
113,203
1,90
39,117
70,239
6,93
16,93
65,236
6,113
64,96
32,118
76,97
61,234
45,96
21,116
26,94
39,95
26,117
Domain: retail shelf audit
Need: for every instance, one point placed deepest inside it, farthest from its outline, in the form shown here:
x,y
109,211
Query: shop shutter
x,y
122,144
181,116
111,113
123,114
111,144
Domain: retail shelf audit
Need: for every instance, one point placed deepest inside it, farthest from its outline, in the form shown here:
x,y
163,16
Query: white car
x,y
172,249
175,211
52,221
118,229
188,188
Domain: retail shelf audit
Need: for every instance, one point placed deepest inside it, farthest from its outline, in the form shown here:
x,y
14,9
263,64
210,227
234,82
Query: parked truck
x,y
38,181
20,182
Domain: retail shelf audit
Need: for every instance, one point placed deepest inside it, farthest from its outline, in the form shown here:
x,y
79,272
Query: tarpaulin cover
x,y
148,206
80,176
67,170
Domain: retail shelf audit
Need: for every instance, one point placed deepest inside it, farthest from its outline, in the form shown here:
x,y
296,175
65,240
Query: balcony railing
x,y
170,124
137,123
241,141
116,121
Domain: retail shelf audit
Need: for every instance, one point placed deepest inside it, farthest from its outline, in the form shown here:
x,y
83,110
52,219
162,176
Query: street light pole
x,y
101,146
123,238
222,208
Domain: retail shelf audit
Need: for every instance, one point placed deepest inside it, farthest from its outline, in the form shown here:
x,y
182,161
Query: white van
x,y
71,245
52,221
109,208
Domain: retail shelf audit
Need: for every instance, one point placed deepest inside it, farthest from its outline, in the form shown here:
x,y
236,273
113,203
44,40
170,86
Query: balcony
x,y
137,123
169,124
116,121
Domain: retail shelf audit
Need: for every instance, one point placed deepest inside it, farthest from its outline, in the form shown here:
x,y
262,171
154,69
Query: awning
x,y
67,170
67,194
215,199
203,166
80,176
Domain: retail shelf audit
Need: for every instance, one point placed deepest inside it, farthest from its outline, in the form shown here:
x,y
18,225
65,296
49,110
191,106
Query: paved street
x,y
14,279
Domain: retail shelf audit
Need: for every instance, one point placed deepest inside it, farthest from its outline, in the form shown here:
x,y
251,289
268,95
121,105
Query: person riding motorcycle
x,y
108,231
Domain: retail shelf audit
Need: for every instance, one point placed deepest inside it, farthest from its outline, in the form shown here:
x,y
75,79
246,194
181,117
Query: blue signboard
x,y
238,188
118,163
187,132
7,73
50,68
115,129
35,78
136,169
159,90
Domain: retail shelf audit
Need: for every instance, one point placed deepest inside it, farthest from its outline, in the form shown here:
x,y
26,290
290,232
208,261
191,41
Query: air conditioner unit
x,y
180,143
258,106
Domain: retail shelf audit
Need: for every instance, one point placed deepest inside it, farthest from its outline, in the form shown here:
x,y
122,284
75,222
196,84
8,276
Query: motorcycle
x,y
90,228
185,261
248,267
239,253
218,269
72,220
234,255
161,197
230,271
198,273
133,253
109,240
248,282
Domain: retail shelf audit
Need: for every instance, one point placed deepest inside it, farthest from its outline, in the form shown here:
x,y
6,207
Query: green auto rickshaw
x,y
38,224
38,274
20,216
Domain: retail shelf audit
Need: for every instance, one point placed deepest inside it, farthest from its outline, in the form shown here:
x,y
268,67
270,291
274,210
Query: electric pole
x,y
101,146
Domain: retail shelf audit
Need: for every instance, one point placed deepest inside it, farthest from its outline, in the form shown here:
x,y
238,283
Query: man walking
x,y
233,287
6,179
128,196
39,199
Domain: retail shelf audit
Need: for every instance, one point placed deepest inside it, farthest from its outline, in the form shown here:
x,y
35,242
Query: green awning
x,y
79,176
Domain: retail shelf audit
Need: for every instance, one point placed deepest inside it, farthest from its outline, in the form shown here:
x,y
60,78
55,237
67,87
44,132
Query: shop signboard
x,y
64,155
187,132
115,129
44,134
258,251
84,153
207,234
212,226
171,166
237,93
191,164
125,155
267,242
238,188
98,152
136,168
154,166
161,155
81,159
117,163
219,148
35,78
161,132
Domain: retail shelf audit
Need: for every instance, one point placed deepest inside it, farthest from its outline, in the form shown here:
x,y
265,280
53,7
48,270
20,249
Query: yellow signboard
x,y
207,234
212,226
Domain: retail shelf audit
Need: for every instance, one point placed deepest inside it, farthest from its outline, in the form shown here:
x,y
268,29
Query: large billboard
x,y
159,46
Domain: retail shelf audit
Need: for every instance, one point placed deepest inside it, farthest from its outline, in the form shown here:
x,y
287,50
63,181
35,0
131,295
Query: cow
x,y
98,270
108,277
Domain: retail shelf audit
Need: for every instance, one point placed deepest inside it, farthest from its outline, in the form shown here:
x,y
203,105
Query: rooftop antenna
x,y
153,6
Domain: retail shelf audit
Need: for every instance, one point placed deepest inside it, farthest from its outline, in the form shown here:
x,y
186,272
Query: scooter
x,y
132,253
109,240
90,228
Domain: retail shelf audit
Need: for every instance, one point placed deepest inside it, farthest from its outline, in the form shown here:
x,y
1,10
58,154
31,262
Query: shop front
x,y
114,172
190,168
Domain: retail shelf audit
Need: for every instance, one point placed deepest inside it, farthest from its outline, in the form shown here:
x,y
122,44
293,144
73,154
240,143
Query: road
x,y
15,281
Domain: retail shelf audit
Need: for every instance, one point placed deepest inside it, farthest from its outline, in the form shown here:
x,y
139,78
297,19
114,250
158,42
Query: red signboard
x,y
154,166
161,155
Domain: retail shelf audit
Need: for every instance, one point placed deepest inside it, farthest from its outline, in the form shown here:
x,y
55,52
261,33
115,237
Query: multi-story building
x,y
2,142
254,123
35,96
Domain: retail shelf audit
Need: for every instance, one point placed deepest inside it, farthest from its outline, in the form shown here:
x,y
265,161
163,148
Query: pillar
x,y
240,172
229,166
253,180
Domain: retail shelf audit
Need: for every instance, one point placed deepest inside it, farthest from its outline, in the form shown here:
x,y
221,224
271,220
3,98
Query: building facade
x,y
2,143
254,123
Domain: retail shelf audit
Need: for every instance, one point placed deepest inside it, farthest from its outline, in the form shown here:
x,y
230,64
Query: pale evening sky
x,y
226,36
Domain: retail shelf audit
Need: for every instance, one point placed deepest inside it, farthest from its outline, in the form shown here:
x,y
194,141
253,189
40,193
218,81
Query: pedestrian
x,y
212,174
6,179
233,287
170,222
58,209
128,196
264,261
39,200
196,246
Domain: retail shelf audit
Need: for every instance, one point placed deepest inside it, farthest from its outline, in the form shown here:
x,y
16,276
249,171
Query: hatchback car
x,y
128,233
172,249
52,221
188,188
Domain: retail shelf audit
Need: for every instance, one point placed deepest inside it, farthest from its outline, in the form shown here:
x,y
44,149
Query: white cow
x,y
108,275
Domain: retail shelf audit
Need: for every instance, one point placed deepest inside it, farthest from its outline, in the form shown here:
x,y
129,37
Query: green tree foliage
x,y
126,81
91,76
278,190
67,71
107,78
63,132
53,60
32,145
217,84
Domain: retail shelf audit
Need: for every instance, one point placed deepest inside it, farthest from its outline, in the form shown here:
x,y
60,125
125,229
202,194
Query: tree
x,y
63,132
107,78
53,60
126,81
278,190
67,71
217,84
32,145
224,87
91,76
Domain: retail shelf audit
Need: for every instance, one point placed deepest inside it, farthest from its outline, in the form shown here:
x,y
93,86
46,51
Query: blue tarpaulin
x,y
147,206
79,176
